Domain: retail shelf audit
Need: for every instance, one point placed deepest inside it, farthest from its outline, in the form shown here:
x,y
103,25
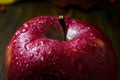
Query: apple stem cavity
x,y
62,23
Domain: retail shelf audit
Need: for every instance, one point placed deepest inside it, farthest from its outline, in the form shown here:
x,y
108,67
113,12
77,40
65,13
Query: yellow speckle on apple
x,y
8,57
100,43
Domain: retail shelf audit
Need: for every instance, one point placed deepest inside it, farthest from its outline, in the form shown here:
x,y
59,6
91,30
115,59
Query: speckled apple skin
x,y
37,51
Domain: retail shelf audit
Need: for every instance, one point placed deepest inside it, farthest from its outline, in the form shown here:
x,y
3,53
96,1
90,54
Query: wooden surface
x,y
16,14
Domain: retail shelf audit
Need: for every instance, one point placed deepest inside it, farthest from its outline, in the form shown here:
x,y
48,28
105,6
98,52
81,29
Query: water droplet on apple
x,y
49,52
34,49
74,50
16,58
25,25
14,41
41,43
71,33
24,30
42,58
88,28
41,22
91,44
74,21
31,56
52,18
27,65
17,63
24,61
34,23
17,32
21,52
91,34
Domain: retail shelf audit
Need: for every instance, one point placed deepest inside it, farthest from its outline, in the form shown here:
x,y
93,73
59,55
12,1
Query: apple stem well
x,y
62,22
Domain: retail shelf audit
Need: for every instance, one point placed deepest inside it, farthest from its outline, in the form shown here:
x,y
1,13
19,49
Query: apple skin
x,y
38,51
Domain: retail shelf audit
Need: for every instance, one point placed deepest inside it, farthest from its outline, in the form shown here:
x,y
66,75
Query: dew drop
x,y
14,41
31,56
74,50
42,58
52,18
91,34
91,44
88,28
24,61
21,52
49,52
40,22
41,43
25,25
17,32
34,23
34,49
27,65
24,30
17,63
16,58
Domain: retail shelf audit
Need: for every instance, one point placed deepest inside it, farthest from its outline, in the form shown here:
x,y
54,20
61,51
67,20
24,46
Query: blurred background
x,y
101,13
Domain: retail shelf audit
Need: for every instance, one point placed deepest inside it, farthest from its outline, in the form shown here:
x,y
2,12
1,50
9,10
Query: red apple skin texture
x,y
87,54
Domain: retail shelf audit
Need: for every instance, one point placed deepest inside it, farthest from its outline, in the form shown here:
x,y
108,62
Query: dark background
x,y
106,17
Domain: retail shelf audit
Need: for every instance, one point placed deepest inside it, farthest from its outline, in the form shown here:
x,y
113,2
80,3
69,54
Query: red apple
x,y
52,48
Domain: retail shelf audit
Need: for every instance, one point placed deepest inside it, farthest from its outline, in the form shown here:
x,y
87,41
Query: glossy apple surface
x,y
42,50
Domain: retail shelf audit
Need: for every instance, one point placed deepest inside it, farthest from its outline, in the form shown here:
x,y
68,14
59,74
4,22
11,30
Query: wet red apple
x,y
60,48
